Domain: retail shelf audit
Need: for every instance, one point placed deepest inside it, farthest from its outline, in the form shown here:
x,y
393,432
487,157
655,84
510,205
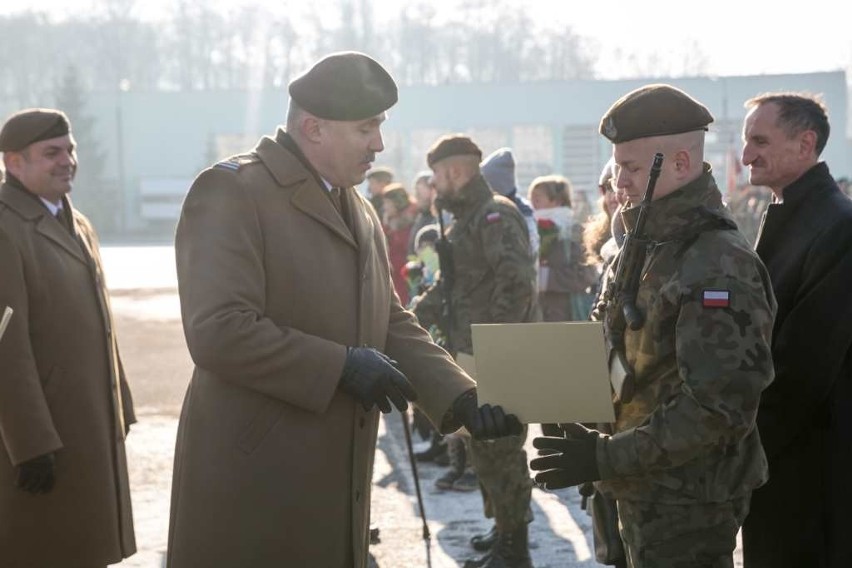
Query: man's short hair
x,y
798,112
380,174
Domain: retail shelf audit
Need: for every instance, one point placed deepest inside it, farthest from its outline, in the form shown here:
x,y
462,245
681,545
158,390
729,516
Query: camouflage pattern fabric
x,y
495,278
495,282
658,535
505,479
701,360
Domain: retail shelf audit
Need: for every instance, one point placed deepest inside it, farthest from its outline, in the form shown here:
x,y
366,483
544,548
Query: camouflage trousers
x,y
504,477
658,535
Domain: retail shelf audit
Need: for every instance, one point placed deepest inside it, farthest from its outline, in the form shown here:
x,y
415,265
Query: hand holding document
x,y
7,315
542,372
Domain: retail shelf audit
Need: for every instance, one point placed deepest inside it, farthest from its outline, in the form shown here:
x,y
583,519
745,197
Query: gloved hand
x,y
551,429
486,421
567,461
37,475
371,377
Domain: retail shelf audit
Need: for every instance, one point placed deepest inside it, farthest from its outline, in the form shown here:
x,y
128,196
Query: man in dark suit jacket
x,y
64,404
799,517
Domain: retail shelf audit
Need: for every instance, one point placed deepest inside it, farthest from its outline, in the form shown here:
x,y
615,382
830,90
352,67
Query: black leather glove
x,y
371,377
551,429
567,461
486,421
37,475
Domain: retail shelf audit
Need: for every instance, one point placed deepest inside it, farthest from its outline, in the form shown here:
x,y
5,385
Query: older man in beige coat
x,y
64,404
297,336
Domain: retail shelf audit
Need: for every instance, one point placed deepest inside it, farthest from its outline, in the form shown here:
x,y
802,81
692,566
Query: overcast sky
x,y
732,37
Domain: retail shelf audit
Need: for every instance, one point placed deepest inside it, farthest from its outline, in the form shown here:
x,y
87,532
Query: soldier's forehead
x,y
627,152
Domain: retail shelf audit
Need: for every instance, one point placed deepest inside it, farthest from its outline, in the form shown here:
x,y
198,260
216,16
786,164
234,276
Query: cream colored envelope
x,y
543,372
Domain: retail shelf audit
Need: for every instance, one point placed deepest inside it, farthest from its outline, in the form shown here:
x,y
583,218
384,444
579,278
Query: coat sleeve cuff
x,y
617,455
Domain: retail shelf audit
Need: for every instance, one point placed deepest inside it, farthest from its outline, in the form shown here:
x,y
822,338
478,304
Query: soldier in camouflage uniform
x,y
494,283
685,453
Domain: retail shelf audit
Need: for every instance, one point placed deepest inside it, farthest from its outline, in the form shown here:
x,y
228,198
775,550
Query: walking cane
x,y
410,446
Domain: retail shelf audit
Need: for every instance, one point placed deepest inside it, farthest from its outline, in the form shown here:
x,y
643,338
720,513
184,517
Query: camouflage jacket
x,y
494,268
701,360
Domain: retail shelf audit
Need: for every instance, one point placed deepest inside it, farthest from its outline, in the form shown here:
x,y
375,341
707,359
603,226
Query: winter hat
x,y
499,171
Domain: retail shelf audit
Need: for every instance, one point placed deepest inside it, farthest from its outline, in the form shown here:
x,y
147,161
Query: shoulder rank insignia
x,y
492,217
235,162
716,299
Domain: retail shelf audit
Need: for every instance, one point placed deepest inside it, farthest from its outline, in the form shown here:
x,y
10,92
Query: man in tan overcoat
x,y
298,339
64,404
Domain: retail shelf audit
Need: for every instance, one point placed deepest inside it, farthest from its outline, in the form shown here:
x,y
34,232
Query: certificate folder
x,y
543,372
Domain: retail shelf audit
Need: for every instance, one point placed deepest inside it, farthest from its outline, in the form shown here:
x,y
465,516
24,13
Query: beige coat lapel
x,y
45,224
308,197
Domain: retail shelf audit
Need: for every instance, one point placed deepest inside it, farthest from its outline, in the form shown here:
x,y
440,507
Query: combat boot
x,y
468,481
510,551
485,541
477,562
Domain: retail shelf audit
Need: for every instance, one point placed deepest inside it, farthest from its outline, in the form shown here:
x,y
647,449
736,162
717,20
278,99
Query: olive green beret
x,y
653,110
345,86
452,145
32,125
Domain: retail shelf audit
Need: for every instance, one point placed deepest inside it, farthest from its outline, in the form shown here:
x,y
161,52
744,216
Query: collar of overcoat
x,y
30,208
307,195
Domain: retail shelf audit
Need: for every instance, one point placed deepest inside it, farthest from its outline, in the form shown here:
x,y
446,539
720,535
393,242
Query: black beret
x,y
32,125
452,145
345,86
653,110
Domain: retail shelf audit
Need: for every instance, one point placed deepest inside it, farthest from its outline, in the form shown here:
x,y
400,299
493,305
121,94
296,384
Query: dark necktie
x,y
65,221
336,195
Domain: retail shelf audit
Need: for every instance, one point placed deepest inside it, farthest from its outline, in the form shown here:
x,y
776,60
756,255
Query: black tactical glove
x,y
486,421
371,377
551,429
37,475
567,461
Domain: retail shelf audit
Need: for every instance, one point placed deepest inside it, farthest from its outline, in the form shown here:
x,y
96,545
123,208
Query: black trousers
x,y
786,525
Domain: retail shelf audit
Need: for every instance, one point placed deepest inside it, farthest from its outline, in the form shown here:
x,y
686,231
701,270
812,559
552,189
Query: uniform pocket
x,y
260,426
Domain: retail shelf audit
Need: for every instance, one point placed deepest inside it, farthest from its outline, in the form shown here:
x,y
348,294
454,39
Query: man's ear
x,y
12,162
682,161
807,144
311,128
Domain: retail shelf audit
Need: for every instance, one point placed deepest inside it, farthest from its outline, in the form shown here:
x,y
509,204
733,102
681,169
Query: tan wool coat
x,y
273,463
62,390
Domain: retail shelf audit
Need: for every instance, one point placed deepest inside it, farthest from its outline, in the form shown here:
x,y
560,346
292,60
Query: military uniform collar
x,y
30,207
681,210
22,200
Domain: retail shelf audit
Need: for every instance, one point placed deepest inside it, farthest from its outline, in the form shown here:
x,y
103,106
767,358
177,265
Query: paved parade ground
x,y
158,369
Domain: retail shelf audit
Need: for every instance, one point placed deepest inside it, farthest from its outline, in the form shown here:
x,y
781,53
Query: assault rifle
x,y
446,282
619,300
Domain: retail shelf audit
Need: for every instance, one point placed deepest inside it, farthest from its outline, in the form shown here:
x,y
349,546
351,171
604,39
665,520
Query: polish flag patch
x,y
716,299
